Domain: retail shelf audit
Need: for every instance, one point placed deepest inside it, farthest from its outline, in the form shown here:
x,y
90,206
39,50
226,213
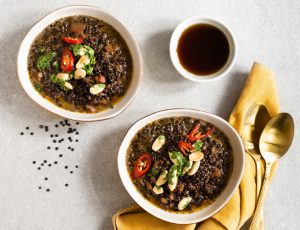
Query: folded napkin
x,y
260,87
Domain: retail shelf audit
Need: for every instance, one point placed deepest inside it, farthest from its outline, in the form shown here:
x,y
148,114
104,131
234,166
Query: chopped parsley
x,y
153,172
55,64
198,145
38,87
43,61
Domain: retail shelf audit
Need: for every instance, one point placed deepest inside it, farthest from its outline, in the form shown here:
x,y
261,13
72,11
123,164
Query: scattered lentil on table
x,y
70,131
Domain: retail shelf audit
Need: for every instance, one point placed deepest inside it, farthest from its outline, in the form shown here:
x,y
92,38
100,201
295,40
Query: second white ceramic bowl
x,y
174,44
73,11
222,199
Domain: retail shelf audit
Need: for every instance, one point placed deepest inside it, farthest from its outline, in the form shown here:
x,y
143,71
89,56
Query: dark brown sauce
x,y
203,49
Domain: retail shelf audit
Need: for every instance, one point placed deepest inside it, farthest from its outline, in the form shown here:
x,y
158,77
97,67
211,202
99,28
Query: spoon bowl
x,y
277,137
256,119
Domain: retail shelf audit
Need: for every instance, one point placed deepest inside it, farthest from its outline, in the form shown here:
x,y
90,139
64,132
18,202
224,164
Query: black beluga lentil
x,y
202,187
113,65
50,161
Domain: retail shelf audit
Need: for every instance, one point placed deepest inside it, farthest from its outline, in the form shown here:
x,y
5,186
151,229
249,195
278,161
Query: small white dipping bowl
x,y
222,199
174,44
22,63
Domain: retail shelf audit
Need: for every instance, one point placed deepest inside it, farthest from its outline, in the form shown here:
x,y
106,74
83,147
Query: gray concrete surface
x,y
266,31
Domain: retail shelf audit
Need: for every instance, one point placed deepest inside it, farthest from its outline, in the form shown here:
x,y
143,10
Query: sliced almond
x,y
158,143
184,203
173,183
176,157
196,156
173,177
163,178
187,166
194,168
158,189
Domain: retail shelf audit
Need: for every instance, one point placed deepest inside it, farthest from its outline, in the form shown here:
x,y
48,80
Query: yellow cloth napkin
x,y
260,87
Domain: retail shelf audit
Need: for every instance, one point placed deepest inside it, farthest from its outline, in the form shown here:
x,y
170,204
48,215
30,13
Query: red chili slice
x,y
67,61
185,147
72,40
210,131
195,135
142,165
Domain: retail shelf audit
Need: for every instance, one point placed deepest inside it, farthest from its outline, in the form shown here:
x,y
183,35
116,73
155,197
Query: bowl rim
x,y
72,115
133,192
219,24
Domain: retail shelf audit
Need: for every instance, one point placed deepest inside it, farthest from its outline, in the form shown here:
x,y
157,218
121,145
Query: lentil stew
x,y
180,163
81,64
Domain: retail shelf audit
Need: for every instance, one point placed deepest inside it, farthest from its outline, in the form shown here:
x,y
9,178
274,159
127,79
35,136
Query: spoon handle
x,y
258,187
259,208
258,177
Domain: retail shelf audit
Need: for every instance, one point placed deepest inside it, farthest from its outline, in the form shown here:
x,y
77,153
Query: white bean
x,y
96,89
84,60
63,76
68,85
79,74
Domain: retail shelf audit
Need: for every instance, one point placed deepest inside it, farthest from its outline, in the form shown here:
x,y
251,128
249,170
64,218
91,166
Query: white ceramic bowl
x,y
174,44
235,178
71,11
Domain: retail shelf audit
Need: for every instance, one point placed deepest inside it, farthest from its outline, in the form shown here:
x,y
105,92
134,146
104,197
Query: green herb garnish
x,y
198,145
43,61
38,87
153,172
55,64
42,50
172,174
180,166
59,82
80,50
176,157
179,160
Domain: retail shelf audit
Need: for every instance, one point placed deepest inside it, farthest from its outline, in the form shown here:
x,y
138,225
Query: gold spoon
x,y
256,119
274,142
